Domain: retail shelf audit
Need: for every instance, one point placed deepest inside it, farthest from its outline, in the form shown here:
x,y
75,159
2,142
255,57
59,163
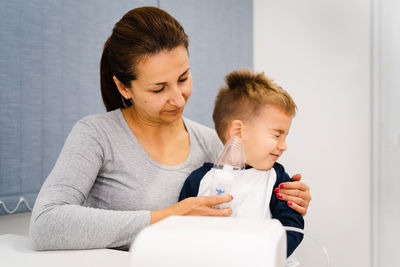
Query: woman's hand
x,y
296,194
195,206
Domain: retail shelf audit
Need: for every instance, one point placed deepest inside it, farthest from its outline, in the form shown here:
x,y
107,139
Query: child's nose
x,y
282,145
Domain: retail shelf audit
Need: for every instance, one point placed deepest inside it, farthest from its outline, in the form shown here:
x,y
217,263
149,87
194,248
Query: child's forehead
x,y
269,110
271,115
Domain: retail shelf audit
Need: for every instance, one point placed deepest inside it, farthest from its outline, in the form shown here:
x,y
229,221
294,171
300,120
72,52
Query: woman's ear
x,y
236,129
122,88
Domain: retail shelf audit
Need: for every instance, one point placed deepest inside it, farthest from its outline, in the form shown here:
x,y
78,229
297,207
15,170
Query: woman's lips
x,y
174,111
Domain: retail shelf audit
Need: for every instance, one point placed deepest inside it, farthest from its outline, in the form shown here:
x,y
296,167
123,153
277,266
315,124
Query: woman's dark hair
x,y
141,32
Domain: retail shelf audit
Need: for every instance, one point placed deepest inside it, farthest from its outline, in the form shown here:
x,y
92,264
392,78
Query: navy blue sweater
x,y
279,209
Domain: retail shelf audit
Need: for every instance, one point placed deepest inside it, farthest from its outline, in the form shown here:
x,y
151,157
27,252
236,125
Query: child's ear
x,y
236,129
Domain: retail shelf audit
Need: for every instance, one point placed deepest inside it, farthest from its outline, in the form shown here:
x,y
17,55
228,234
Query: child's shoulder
x,y
278,167
192,183
199,173
281,175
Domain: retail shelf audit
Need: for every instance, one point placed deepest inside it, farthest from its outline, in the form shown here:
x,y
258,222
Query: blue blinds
x,y
221,40
49,73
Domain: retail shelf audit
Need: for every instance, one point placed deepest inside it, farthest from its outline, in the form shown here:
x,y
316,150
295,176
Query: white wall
x,y
386,153
319,51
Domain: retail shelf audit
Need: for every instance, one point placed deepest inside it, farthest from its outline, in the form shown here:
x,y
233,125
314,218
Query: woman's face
x,y
163,86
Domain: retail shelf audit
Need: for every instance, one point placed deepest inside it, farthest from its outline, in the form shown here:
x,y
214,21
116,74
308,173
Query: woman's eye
x,y
182,80
159,91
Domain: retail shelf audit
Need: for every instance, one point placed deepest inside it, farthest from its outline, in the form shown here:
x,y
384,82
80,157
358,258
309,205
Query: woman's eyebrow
x,y
180,76
184,73
160,83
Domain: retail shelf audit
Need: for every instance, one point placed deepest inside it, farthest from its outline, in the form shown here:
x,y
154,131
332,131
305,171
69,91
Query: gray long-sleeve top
x,y
104,185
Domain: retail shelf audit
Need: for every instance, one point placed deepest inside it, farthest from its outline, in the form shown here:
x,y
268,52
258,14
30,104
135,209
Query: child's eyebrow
x,y
278,130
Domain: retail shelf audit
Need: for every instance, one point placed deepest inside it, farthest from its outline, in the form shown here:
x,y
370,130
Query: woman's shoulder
x,y
200,130
99,125
206,137
100,121
101,118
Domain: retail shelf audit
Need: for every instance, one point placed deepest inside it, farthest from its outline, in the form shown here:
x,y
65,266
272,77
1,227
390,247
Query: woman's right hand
x,y
195,206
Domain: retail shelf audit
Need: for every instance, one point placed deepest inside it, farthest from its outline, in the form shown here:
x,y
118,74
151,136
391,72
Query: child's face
x,y
264,137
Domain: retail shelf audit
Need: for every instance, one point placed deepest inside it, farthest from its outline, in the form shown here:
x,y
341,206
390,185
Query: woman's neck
x,y
165,143
140,124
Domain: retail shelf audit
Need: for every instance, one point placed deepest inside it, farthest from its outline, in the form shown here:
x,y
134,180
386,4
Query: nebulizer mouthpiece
x,y
228,166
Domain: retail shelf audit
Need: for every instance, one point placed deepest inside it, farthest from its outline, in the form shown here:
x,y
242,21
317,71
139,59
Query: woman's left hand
x,y
296,194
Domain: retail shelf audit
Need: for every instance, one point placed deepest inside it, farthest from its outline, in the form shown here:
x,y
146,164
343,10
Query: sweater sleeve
x,y
59,218
287,216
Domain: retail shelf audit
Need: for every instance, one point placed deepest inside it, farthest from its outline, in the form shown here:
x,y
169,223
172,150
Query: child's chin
x,y
264,167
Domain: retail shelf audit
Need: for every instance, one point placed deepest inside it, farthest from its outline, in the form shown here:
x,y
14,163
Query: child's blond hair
x,y
244,95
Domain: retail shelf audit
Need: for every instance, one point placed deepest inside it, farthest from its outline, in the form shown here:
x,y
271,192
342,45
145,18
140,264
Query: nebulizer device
x,y
227,168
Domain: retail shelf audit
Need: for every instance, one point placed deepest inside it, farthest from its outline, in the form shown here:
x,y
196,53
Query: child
x,y
251,107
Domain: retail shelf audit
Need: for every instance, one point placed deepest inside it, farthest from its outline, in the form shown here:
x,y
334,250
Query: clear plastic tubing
x,y
316,239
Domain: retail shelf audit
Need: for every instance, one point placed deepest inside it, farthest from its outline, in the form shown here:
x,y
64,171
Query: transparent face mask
x,y
233,157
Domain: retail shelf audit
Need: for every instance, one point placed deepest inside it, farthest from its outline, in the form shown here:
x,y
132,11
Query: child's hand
x,y
195,206
296,194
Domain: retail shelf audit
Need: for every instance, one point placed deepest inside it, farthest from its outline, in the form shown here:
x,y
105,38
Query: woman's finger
x,y
217,200
294,185
297,200
206,209
225,212
301,210
305,195
296,177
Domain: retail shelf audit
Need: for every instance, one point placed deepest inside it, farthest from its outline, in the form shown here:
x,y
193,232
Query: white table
x,y
16,251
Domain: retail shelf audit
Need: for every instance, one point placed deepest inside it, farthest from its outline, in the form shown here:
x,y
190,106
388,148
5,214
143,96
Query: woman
x,y
123,170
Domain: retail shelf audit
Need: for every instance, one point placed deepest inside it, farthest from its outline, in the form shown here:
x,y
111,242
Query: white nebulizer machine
x,y
182,241
199,241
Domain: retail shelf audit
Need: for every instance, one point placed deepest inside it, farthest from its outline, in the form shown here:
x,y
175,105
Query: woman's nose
x,y
177,97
